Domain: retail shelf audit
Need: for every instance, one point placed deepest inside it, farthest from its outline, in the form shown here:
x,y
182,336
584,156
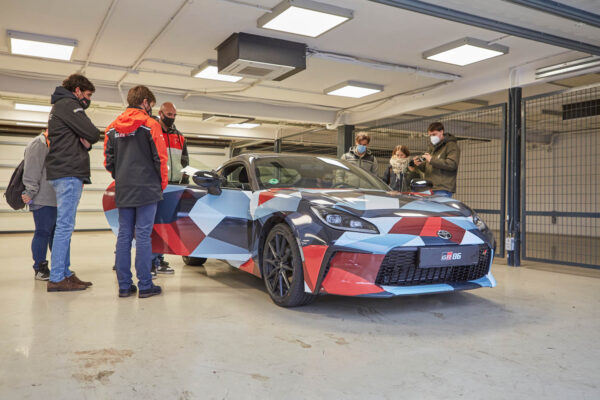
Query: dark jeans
x,y
139,220
45,222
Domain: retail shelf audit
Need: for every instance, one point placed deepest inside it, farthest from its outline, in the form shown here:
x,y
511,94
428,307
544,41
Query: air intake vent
x,y
260,57
580,110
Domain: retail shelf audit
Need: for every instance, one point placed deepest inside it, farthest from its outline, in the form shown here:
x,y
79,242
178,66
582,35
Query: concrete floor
x,y
215,334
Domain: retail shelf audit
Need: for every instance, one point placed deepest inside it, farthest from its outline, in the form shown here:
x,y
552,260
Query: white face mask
x,y
434,140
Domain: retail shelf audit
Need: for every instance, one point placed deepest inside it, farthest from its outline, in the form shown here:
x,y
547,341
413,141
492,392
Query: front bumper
x,y
396,273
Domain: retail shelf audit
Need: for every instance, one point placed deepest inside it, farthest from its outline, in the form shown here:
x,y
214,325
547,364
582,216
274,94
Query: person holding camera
x,y
440,163
400,172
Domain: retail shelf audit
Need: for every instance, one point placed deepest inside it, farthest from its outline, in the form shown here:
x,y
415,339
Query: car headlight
x,y
342,220
479,222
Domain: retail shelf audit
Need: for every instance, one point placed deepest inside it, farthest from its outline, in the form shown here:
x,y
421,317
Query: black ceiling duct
x,y
260,57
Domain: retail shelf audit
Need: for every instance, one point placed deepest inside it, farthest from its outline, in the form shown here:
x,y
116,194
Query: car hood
x,y
376,203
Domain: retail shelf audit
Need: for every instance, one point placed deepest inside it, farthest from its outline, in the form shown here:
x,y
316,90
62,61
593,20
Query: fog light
x,y
355,224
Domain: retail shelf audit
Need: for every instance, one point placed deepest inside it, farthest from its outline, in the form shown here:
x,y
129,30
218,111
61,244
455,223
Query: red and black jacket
x,y
178,155
136,156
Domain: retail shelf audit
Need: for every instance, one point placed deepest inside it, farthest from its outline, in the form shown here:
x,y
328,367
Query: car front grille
x,y
399,268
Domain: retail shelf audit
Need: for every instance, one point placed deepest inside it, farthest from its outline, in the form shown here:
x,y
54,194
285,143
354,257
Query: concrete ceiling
x,y
377,32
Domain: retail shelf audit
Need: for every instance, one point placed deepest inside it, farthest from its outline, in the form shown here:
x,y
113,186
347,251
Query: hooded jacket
x,y
443,167
34,174
136,156
67,123
368,162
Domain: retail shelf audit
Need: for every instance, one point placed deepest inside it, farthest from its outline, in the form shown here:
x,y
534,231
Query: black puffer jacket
x,y
66,124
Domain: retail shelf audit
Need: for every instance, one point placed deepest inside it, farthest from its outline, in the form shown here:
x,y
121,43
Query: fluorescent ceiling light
x,y
32,107
38,124
31,44
353,89
569,66
304,17
244,125
209,70
465,51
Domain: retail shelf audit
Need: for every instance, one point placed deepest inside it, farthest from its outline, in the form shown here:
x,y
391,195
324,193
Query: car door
x,y
224,219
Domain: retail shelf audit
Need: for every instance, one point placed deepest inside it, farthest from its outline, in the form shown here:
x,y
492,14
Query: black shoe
x,y
153,291
163,263
42,273
153,272
127,292
114,267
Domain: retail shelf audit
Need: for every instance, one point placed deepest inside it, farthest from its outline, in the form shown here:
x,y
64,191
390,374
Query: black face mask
x,y
85,103
149,111
167,121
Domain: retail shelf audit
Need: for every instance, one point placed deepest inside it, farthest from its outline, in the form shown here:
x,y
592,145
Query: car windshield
x,y
313,173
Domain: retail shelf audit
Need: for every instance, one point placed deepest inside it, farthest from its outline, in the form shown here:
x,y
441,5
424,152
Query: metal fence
x,y
480,179
321,142
561,185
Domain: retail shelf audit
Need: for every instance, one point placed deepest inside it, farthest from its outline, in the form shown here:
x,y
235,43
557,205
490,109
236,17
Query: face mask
x,y
434,140
85,103
361,148
149,111
168,121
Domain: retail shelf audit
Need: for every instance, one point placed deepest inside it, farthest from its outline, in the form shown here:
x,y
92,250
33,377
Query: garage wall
x,y
89,213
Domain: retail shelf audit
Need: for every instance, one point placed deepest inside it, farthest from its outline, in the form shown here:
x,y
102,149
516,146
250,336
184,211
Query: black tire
x,y
193,261
282,268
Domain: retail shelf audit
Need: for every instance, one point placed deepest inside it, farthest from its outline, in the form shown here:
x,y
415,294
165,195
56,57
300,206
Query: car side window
x,y
236,177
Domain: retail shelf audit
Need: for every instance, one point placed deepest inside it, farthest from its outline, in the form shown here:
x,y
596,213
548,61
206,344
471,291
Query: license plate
x,y
448,256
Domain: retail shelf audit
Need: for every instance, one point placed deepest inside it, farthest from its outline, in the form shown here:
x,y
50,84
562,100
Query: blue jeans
x,y
139,220
444,193
45,221
68,193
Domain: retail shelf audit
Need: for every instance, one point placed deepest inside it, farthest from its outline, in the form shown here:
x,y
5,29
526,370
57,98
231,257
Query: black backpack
x,y
15,188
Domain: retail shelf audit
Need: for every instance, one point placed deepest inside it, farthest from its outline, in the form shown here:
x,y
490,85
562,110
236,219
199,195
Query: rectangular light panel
x,y
465,51
32,107
244,125
37,124
304,17
353,89
30,44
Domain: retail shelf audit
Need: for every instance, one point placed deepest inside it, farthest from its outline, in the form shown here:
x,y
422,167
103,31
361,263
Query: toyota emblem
x,y
444,234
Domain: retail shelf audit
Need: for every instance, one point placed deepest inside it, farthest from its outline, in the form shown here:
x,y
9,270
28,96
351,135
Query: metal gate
x,y
561,184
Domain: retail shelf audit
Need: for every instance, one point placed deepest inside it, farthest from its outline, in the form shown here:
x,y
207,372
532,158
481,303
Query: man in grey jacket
x,y
42,203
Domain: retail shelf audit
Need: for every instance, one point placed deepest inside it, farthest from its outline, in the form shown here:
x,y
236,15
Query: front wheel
x,y
282,268
193,261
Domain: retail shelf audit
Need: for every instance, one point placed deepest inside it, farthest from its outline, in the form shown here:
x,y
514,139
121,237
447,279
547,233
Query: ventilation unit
x,y
260,57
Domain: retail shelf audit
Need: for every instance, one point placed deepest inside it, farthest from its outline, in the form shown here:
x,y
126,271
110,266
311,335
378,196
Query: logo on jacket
x,y
444,234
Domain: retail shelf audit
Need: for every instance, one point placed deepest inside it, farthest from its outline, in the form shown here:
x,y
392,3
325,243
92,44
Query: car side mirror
x,y
208,180
419,185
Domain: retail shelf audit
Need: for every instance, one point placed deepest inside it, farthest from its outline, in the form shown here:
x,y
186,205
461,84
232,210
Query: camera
x,y
412,162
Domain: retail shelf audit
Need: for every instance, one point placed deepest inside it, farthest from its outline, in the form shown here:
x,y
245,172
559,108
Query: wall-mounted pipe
x,y
109,12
